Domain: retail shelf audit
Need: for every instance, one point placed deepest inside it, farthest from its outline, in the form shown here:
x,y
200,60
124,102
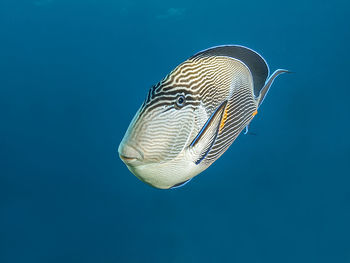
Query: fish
x,y
192,116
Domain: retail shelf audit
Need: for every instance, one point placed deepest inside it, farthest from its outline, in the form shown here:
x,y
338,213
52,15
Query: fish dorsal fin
x,y
206,137
255,62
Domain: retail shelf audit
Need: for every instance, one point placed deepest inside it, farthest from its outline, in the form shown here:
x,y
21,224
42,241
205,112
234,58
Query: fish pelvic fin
x,y
268,84
206,137
180,184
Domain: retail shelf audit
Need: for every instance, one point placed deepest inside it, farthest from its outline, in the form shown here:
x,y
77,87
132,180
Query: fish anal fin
x,y
246,129
206,137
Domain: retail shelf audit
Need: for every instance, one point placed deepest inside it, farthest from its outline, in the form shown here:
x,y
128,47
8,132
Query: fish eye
x,y
180,101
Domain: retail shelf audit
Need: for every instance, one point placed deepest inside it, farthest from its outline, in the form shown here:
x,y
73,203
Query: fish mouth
x,y
130,155
127,159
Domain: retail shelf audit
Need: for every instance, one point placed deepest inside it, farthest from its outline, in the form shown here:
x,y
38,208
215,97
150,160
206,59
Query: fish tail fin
x,y
269,82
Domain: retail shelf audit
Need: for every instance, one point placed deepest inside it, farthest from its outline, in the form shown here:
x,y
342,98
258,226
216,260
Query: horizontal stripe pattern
x,y
161,130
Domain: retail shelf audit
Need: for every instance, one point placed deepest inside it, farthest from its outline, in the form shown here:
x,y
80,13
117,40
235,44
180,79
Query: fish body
x,y
190,118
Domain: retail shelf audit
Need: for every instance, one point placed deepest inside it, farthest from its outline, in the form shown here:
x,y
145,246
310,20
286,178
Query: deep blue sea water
x,y
72,75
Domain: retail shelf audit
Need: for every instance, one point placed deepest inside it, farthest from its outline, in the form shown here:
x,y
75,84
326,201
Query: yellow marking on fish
x,y
224,118
255,113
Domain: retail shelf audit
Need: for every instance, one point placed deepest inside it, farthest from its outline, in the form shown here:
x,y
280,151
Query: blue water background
x,y
72,75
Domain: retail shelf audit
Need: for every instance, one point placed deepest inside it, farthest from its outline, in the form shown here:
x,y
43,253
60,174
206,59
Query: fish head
x,y
154,145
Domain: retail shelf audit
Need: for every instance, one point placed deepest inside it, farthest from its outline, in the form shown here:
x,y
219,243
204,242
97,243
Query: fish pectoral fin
x,y
206,137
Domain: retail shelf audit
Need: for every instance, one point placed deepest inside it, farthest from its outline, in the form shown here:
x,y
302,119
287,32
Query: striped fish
x,y
190,118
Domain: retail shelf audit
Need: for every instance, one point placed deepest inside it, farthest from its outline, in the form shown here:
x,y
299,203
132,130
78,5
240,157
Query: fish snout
x,y
129,154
